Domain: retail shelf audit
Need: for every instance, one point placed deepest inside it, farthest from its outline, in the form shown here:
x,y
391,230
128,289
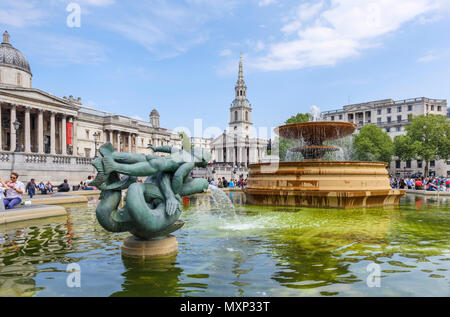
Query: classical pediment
x,y
35,96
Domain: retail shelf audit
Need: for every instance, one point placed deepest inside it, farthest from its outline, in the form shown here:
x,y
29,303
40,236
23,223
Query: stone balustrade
x,y
54,168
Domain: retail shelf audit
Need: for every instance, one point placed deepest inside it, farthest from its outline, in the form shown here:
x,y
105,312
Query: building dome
x,y
10,56
154,113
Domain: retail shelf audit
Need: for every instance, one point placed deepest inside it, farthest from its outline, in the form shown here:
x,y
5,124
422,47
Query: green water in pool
x,y
256,251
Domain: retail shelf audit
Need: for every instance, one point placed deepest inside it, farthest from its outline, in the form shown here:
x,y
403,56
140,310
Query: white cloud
x,y
433,55
263,3
166,28
225,52
66,50
324,33
96,3
20,13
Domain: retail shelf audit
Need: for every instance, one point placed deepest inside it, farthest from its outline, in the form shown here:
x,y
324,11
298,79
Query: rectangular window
x,y
399,109
388,119
432,163
397,164
389,110
408,164
432,107
388,129
409,108
439,108
332,118
340,117
399,118
399,129
379,120
419,164
379,111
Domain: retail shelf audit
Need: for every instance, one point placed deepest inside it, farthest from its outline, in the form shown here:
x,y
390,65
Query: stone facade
x,y
52,138
392,116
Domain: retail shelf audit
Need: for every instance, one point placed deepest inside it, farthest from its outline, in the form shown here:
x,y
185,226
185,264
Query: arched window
x,y
235,116
241,92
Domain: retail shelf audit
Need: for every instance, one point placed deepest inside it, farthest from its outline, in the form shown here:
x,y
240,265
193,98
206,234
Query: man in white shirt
x,y
14,191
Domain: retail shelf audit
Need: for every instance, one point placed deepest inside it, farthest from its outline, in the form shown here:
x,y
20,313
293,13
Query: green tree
x,y
427,138
372,144
186,142
280,146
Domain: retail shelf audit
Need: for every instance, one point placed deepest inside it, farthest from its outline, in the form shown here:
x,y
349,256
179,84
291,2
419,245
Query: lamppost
x,y
96,137
17,127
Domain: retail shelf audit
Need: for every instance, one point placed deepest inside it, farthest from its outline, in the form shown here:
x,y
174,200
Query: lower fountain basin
x,y
321,184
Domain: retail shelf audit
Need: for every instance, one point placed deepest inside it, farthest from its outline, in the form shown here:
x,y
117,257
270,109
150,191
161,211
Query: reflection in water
x,y
150,277
259,251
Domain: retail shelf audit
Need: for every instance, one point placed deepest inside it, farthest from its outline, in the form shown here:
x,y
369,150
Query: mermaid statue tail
x,y
152,209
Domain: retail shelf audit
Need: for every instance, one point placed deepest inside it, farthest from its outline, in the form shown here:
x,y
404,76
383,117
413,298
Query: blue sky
x,y
182,56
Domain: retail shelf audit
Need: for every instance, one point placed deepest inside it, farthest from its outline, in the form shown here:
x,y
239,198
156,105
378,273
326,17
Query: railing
x,y
35,158
4,157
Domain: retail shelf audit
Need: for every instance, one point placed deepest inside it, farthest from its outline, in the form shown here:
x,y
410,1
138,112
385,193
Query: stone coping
x,y
58,199
83,193
29,212
427,193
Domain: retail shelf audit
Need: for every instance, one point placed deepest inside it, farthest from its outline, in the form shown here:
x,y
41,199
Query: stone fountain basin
x,y
314,133
321,184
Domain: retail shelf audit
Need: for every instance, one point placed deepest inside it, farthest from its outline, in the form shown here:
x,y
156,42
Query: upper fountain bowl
x,y
314,133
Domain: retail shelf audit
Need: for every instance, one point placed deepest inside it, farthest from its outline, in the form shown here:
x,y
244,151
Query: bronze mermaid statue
x,y
152,209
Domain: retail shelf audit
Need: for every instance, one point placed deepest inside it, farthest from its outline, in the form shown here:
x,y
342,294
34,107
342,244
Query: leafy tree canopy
x,y
372,144
427,138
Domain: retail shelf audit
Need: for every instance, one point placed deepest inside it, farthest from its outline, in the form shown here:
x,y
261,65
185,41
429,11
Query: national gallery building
x,y
51,138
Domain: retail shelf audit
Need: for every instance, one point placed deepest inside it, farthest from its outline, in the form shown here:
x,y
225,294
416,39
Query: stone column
x,y
64,135
52,133
12,134
1,128
41,131
74,136
118,141
27,131
129,142
111,136
240,155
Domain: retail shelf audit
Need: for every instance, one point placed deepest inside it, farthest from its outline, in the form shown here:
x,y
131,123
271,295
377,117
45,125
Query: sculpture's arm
x,y
162,149
179,176
172,204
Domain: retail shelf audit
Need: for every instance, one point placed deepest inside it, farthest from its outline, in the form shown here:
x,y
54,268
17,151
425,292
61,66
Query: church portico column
x,y
12,133
240,155
27,131
64,135
52,133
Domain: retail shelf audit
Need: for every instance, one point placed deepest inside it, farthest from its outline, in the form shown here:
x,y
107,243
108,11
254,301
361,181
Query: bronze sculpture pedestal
x,y
164,246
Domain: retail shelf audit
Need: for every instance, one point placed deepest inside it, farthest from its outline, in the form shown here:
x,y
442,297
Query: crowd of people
x,y
440,184
12,190
232,183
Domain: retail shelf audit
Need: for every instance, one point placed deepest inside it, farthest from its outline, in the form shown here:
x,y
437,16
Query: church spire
x,y
241,88
241,81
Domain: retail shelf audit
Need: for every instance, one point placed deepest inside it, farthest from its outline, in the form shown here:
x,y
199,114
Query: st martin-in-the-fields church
x,y
237,145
